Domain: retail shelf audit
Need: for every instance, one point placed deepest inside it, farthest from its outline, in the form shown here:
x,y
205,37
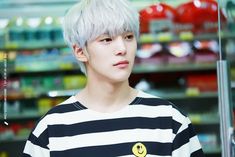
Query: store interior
x,y
176,59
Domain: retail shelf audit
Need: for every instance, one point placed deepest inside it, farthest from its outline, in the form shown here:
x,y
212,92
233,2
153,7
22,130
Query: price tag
x,y
159,26
186,36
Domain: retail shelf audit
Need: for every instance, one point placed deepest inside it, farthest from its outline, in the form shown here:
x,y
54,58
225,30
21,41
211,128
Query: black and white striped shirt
x,y
148,127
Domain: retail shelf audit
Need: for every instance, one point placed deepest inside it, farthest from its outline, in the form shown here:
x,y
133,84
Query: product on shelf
x,y
31,86
156,18
233,118
143,85
22,32
151,54
30,32
179,53
6,132
199,16
232,73
44,30
230,8
45,60
41,84
13,88
230,49
205,117
16,130
16,32
52,83
56,33
208,141
13,107
45,104
202,82
3,32
3,154
74,81
49,30
206,51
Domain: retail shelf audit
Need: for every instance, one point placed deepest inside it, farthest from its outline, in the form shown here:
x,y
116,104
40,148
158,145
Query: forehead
x,y
110,29
109,18
118,34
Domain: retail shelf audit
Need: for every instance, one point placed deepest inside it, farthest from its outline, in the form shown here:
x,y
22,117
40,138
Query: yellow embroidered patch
x,y
139,150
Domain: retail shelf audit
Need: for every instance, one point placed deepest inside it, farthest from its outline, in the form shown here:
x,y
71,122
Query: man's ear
x,y
79,53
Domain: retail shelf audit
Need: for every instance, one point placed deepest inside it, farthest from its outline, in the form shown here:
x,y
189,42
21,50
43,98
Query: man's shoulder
x,y
60,112
157,102
69,105
152,100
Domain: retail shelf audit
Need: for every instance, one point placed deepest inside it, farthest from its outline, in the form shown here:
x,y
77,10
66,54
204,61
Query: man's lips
x,y
121,63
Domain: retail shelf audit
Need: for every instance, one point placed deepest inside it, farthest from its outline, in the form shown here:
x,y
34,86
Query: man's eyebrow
x,y
103,35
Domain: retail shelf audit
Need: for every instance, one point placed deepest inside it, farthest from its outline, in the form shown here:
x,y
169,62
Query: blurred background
x,y
176,60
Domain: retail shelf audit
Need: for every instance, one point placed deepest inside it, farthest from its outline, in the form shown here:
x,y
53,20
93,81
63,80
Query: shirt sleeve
x,y
37,143
186,143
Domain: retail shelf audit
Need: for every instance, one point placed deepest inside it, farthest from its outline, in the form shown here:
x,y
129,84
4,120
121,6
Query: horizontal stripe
x,y
149,155
194,144
66,106
114,137
198,153
156,149
154,101
188,148
35,151
75,131
88,115
62,109
42,141
114,124
183,137
185,124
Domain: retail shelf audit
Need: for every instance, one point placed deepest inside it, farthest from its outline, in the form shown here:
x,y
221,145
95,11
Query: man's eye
x,y
129,37
106,40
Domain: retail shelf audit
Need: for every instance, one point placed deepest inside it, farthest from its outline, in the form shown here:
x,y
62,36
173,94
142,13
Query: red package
x,y
203,82
159,15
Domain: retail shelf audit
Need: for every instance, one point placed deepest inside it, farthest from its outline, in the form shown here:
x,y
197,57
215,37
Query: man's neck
x,y
106,97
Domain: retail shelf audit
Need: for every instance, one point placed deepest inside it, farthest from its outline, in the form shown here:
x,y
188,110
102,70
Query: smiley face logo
x,y
139,150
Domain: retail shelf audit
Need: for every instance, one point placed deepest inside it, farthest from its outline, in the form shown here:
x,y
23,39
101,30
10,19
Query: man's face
x,y
111,58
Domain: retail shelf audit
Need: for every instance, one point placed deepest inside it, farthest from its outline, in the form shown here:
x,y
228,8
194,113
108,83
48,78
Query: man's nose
x,y
120,46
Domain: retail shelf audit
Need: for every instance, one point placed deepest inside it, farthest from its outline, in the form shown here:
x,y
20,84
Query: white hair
x,y
88,19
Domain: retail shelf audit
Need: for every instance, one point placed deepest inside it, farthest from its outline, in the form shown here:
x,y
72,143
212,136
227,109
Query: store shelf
x,y
169,37
70,69
11,70
64,93
138,68
204,120
144,38
150,68
25,115
206,123
182,95
233,84
14,139
53,93
35,46
212,150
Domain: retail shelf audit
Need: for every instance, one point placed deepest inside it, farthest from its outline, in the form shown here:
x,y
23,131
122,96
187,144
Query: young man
x,y
108,118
